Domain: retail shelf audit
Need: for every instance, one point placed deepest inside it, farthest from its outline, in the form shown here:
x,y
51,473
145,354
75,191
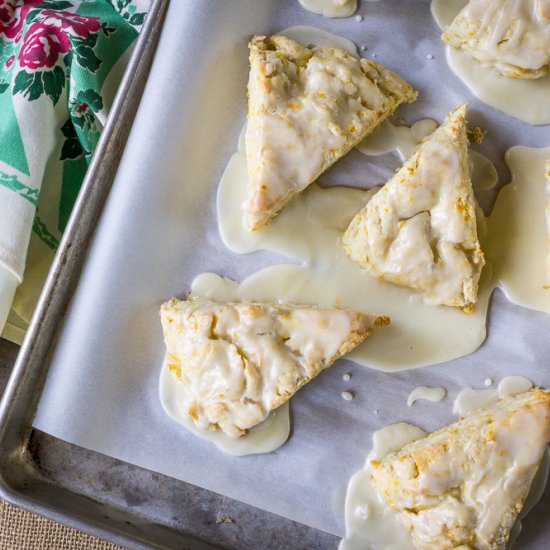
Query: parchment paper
x,y
158,231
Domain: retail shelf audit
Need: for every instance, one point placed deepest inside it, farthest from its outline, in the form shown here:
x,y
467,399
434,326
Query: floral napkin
x,y
60,65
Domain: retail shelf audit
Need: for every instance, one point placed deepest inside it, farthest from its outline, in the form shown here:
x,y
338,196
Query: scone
x,y
464,485
239,361
513,36
306,109
419,230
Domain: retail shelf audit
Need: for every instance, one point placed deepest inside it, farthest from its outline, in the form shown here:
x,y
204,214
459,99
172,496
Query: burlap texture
x,y
20,530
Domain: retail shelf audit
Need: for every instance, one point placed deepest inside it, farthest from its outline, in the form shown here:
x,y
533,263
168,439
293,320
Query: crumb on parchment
x,y
224,519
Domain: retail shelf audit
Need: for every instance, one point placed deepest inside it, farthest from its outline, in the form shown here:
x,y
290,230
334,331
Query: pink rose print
x,y
9,62
12,16
42,46
78,24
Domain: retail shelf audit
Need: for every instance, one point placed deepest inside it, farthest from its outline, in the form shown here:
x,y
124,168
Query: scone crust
x,y
240,361
419,230
306,109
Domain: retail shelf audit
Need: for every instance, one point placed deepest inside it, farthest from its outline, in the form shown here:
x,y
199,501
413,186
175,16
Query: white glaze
x,y
512,36
420,231
370,524
525,100
264,438
485,458
405,139
511,385
535,494
488,381
425,393
309,230
347,396
547,179
403,344
402,139
482,171
522,99
319,103
239,361
330,8
293,124
517,241
444,11
311,36
470,399
406,345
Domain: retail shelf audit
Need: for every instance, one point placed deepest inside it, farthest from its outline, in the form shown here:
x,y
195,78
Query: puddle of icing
x,y
310,36
444,11
402,139
369,523
405,139
330,8
309,231
517,241
512,385
524,99
469,399
406,343
535,494
427,394
263,438
482,172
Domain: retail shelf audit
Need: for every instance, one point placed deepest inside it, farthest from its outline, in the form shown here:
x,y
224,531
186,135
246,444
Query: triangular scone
x,y
239,361
511,36
464,485
419,230
306,109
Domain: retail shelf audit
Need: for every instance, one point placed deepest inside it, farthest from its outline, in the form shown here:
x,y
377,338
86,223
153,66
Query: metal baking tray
x,y
89,491
102,496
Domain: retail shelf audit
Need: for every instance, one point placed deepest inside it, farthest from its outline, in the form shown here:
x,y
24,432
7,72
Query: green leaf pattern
x,y
60,51
24,191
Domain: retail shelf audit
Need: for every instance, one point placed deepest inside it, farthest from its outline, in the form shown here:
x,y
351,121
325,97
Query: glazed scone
x,y
513,36
419,230
306,109
464,485
239,361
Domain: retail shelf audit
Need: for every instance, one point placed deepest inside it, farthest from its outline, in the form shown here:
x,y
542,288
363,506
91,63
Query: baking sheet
x,y
158,231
